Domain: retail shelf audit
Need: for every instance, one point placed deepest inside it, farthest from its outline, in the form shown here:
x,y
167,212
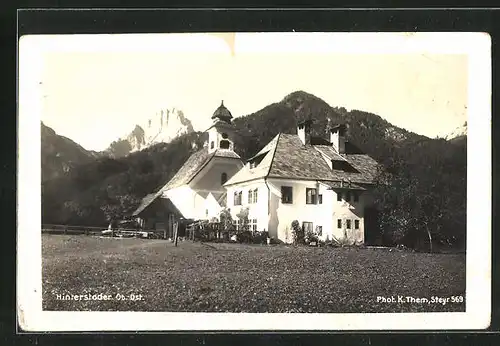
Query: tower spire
x,y
222,113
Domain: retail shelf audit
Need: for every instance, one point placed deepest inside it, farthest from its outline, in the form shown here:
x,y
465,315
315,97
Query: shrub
x,y
245,237
311,237
260,237
297,232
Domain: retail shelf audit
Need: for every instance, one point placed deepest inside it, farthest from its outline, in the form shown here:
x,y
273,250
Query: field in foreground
x,y
153,275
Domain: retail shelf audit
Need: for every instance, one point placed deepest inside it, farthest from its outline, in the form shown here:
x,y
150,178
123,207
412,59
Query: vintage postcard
x,y
254,181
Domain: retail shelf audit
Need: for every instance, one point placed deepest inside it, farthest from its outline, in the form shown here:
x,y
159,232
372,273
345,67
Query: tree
x,y
226,219
243,219
297,233
413,210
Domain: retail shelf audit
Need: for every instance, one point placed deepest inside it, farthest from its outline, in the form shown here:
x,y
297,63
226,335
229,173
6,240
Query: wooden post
x,y
176,227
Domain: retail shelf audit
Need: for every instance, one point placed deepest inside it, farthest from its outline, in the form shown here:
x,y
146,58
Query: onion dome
x,y
222,113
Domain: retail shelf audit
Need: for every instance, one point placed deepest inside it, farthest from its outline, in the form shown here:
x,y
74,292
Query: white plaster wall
x,y
283,214
209,178
212,206
257,210
183,198
353,211
279,219
215,135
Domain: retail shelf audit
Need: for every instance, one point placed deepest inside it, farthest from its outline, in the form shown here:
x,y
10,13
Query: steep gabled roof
x,y
195,164
288,158
329,152
146,201
189,169
186,173
262,169
222,200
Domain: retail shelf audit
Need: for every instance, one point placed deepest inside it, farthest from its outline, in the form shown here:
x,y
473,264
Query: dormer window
x,y
212,144
224,135
223,178
254,162
343,166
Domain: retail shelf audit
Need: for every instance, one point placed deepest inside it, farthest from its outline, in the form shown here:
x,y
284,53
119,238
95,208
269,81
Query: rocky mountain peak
x,y
164,126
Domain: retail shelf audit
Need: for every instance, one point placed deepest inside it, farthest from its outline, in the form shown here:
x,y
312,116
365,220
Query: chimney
x,y
337,137
304,131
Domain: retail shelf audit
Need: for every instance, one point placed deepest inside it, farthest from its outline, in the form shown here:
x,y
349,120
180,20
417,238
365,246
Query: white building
x,y
323,184
196,191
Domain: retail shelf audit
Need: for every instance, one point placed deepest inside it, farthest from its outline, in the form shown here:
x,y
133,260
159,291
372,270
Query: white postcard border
x,y
478,259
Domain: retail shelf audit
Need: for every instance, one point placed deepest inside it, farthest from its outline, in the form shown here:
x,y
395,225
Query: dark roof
x,y
195,164
220,197
329,152
346,185
288,158
222,113
146,201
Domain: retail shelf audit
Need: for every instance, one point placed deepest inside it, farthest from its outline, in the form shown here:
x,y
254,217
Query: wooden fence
x,y
93,230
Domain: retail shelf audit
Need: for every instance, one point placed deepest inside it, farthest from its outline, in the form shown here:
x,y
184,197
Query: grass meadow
x,y
154,275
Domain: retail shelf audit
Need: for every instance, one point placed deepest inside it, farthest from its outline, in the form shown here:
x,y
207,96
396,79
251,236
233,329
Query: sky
x,y
96,88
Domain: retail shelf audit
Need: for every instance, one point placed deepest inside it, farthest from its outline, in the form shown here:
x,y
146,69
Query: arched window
x,y
223,178
211,144
224,144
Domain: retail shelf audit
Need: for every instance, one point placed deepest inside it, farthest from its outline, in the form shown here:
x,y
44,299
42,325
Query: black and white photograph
x,y
254,181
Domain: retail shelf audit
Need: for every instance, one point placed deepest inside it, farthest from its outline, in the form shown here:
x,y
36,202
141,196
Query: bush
x,y
297,232
311,237
245,237
260,237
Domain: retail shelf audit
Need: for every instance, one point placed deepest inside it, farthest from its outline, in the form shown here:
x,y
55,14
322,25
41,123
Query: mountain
x,y
59,155
431,170
166,125
457,133
373,134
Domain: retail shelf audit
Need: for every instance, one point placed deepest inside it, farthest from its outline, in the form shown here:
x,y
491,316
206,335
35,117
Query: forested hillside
x,y
426,194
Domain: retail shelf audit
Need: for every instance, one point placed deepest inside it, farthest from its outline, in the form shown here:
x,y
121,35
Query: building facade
x,y
324,185
196,191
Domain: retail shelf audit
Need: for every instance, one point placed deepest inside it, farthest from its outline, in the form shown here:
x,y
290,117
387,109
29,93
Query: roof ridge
x,y
210,157
274,153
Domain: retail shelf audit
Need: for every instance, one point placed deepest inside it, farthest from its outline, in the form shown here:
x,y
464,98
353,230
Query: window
x,y
356,224
224,144
348,224
237,198
250,196
253,225
319,230
255,194
320,199
339,223
307,227
311,196
223,178
211,144
206,212
339,196
286,195
348,196
224,135
356,197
